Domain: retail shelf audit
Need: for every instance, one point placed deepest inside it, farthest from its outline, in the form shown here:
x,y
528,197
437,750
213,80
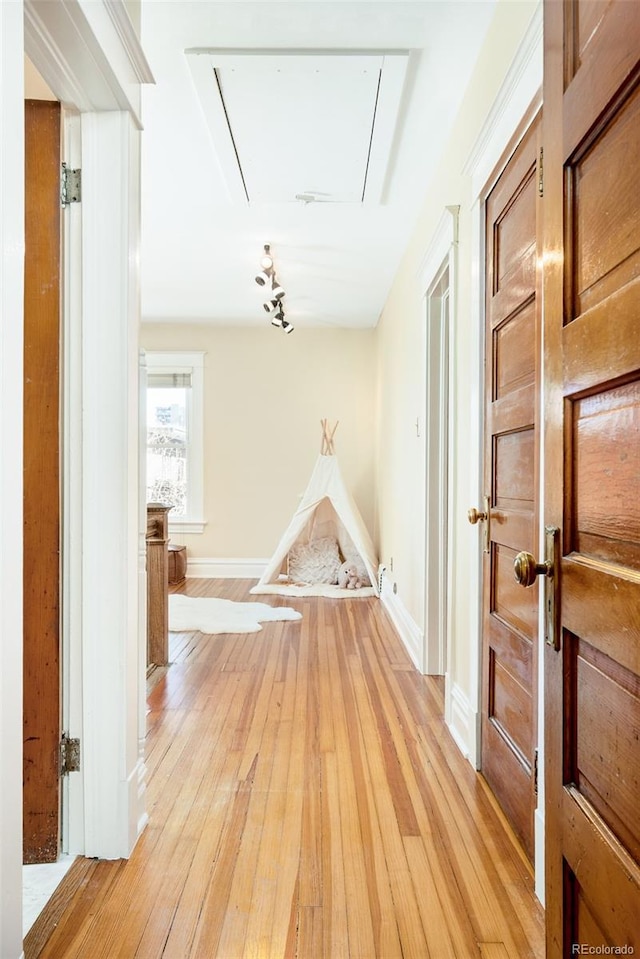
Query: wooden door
x,y
511,466
592,473
41,550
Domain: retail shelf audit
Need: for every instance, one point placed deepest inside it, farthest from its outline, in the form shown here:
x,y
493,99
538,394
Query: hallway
x,y
306,800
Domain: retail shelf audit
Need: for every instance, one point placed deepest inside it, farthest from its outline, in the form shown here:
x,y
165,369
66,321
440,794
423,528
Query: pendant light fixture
x,y
266,278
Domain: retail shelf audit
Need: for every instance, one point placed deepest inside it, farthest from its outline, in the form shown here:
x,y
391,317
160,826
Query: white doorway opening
x,y
437,276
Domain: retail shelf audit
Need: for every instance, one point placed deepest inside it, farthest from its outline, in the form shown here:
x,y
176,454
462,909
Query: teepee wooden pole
x,y
326,448
333,433
323,444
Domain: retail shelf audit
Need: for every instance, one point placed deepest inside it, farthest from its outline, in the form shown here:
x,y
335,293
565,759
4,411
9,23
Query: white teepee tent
x,y
325,530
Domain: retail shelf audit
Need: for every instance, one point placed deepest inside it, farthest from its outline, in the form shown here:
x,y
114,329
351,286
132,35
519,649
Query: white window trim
x,y
191,362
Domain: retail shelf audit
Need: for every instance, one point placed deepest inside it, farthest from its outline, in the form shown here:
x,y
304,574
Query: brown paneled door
x,y
592,474
510,626
41,552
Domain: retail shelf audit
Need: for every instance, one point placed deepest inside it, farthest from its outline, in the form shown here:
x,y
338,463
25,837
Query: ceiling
x,y
310,125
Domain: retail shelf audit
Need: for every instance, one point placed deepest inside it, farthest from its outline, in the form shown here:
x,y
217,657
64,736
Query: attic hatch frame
x,y
391,66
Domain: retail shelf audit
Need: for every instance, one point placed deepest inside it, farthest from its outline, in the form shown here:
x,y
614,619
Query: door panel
x,y
606,517
510,614
592,472
41,550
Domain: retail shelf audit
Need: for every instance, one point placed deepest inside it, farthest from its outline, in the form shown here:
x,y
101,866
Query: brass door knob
x,y
526,570
474,516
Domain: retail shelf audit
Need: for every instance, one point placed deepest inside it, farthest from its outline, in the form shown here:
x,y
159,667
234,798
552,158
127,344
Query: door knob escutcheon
x,y
482,516
526,571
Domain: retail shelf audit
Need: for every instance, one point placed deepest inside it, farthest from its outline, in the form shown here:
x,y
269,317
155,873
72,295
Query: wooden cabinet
x,y
177,564
157,585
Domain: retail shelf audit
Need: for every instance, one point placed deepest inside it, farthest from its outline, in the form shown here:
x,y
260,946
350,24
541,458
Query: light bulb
x,y
267,260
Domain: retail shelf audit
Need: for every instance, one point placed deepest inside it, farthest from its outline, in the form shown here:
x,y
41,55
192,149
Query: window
x,y
174,437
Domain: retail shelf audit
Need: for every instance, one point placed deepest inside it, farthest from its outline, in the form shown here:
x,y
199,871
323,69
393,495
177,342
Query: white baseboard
x,y
134,789
143,815
199,567
461,719
539,853
408,630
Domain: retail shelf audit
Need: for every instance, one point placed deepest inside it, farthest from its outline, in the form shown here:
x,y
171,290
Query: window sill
x,y
187,526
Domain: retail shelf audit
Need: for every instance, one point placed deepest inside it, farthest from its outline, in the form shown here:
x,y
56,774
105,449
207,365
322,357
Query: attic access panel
x,y
290,126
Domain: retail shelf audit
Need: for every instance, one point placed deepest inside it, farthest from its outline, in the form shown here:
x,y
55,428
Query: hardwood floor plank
x,y
440,929
385,783
335,933
306,801
353,802
201,876
288,857
72,935
493,950
217,900
49,921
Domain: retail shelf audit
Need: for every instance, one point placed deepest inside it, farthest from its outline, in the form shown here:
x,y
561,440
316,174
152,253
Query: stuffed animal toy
x,y
349,576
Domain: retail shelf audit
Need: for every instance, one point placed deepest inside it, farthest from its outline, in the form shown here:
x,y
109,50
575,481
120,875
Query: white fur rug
x,y
210,615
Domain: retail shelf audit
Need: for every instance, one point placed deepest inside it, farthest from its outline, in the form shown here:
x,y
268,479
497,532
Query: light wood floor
x,y
306,800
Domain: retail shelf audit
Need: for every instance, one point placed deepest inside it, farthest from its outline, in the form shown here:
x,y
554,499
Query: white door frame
x,y
514,109
88,54
72,826
440,259
11,459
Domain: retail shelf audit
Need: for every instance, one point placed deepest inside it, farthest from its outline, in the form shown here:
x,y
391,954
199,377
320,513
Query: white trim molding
x,y
520,93
72,505
444,238
192,362
11,536
88,54
514,109
112,683
462,720
200,567
129,40
186,526
539,832
439,318
408,630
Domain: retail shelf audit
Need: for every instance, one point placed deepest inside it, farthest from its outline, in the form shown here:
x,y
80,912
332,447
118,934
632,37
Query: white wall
x,y
401,360
265,394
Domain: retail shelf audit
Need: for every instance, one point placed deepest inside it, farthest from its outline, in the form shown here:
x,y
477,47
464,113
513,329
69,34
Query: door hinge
x,y
541,173
70,185
69,755
535,772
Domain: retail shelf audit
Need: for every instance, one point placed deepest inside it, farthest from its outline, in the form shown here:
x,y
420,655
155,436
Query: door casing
x,y
105,802
516,103
438,279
